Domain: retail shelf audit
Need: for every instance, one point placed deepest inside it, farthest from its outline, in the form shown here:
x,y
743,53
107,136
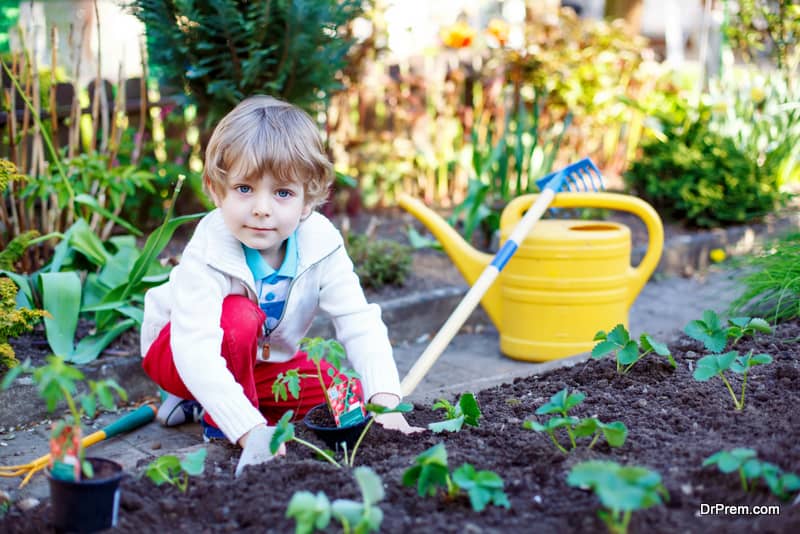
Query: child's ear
x,y
212,192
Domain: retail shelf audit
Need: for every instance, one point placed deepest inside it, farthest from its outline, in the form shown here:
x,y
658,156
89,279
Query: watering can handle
x,y
615,201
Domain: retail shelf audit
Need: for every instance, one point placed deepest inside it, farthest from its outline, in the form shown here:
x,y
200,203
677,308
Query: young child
x,y
250,281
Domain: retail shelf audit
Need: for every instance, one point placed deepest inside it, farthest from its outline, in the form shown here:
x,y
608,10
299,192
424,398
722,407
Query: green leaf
x,y
603,348
615,433
61,298
370,484
85,241
706,368
90,347
760,325
284,431
469,407
648,343
586,427
90,201
194,462
89,405
619,336
628,354
448,425
311,512
163,469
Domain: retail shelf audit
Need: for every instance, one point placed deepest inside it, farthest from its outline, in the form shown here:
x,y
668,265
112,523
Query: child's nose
x,y
262,205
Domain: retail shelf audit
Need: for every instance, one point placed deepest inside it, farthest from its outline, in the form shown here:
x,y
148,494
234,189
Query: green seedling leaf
x,y
430,471
370,484
714,364
466,410
284,431
649,344
620,488
378,409
310,512
163,469
483,487
708,331
194,462
561,402
628,354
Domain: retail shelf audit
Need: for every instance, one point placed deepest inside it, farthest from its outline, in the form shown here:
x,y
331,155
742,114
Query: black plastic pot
x,y
333,436
87,505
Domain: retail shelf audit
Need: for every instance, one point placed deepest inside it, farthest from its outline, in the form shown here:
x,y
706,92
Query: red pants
x,y
241,324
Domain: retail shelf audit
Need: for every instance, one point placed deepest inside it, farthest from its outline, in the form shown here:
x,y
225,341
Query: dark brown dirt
x,y
674,423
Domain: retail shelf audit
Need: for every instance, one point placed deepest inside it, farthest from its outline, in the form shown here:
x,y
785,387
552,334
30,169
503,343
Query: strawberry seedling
x,y
561,403
750,468
313,512
465,411
622,490
716,365
170,469
618,341
714,336
431,473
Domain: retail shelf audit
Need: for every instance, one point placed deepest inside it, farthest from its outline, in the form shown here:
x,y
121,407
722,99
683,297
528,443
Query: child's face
x,y
262,213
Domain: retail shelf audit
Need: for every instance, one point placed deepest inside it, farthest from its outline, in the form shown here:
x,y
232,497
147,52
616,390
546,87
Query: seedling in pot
x,y
561,403
58,381
465,411
346,407
431,473
622,490
284,431
750,468
714,336
716,365
170,469
313,512
627,351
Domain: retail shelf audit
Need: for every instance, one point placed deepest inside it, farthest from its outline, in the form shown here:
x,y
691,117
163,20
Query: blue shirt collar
x,y
261,269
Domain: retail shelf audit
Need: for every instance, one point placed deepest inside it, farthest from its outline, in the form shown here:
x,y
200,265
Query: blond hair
x,y
263,135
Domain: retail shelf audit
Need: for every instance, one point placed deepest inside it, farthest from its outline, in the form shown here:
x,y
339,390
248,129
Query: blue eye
x,y
243,188
284,193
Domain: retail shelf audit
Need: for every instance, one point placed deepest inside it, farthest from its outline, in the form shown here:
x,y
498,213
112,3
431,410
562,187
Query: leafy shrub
x,y
379,262
226,50
13,322
772,286
691,173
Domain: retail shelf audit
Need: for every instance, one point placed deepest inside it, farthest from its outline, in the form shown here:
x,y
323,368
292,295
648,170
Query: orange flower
x,y
459,35
498,29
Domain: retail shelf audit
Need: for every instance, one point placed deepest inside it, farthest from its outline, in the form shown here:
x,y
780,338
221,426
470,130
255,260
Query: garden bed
x,y
674,423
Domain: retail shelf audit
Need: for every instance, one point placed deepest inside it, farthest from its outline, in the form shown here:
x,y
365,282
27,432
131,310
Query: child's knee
x,y
242,317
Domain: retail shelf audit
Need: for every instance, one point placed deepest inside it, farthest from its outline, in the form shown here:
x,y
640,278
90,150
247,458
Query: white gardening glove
x,y
255,449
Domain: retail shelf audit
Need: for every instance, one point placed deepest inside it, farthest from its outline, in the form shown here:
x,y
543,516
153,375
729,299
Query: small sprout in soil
x,y
628,352
284,431
466,411
622,490
313,512
563,401
714,336
750,468
716,365
431,472
170,469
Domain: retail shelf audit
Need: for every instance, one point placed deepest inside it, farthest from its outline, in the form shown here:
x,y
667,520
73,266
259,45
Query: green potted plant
x,y
342,417
84,491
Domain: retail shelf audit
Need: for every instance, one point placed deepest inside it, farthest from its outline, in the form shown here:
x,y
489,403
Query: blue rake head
x,y
577,177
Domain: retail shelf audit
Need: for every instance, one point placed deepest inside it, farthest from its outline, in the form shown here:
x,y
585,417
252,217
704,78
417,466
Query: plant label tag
x,y
346,404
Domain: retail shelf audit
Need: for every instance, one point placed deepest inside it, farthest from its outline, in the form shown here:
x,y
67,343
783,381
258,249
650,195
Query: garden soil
x,y
674,423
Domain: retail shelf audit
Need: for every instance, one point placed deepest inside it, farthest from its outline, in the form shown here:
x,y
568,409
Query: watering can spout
x,y
469,261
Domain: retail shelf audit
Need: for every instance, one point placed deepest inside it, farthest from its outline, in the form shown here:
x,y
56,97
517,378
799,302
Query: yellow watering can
x,y
567,280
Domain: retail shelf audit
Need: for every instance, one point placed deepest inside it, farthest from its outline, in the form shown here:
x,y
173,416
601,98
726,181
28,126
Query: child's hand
x,y
255,447
392,421
396,421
